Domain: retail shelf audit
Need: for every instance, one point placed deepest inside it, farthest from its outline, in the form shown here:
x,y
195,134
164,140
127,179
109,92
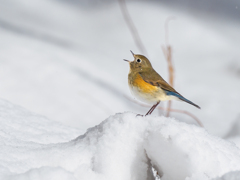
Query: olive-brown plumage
x,y
148,86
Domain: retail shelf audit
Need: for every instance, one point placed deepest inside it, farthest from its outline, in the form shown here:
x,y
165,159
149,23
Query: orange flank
x,y
143,86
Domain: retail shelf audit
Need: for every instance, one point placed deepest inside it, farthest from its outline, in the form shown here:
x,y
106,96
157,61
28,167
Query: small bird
x,y
148,86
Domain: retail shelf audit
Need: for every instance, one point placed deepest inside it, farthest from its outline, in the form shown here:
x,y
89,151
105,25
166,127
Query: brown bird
x,y
148,86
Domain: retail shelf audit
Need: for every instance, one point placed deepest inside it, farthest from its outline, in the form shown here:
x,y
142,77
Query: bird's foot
x,y
139,115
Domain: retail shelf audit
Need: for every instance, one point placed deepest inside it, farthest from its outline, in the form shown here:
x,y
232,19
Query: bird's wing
x,y
153,78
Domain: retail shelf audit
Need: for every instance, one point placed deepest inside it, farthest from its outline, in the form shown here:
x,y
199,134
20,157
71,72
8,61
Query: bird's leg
x,y
152,108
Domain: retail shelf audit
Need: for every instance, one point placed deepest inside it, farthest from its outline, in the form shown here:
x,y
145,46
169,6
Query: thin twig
x,y
166,28
164,109
188,113
131,26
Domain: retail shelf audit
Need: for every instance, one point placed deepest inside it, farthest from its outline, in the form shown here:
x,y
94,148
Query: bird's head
x,y
140,63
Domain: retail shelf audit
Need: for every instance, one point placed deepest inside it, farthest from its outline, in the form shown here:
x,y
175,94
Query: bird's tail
x,y
190,102
181,98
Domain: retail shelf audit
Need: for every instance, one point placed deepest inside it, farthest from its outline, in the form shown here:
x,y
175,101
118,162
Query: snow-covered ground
x,y
64,62
124,146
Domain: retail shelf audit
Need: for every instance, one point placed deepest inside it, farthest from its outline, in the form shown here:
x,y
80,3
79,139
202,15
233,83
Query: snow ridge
x,y
124,146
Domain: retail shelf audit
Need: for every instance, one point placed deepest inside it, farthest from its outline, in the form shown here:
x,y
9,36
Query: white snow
x,y
235,175
65,63
124,146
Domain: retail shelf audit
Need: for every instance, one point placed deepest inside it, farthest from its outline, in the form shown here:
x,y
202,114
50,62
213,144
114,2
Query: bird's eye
x,y
139,60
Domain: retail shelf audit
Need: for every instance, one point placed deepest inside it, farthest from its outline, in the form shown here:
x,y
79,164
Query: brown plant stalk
x,y
131,26
167,51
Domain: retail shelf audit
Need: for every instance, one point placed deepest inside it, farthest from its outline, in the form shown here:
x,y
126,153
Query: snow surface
x,y
235,175
65,62
124,146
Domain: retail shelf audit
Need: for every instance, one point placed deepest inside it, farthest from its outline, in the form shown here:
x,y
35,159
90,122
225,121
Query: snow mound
x,y
235,175
124,146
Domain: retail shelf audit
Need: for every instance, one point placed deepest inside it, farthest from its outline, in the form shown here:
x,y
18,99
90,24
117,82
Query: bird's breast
x,y
137,82
144,91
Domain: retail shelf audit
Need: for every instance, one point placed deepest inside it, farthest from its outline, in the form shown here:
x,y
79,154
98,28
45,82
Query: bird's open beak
x,y
132,53
128,60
